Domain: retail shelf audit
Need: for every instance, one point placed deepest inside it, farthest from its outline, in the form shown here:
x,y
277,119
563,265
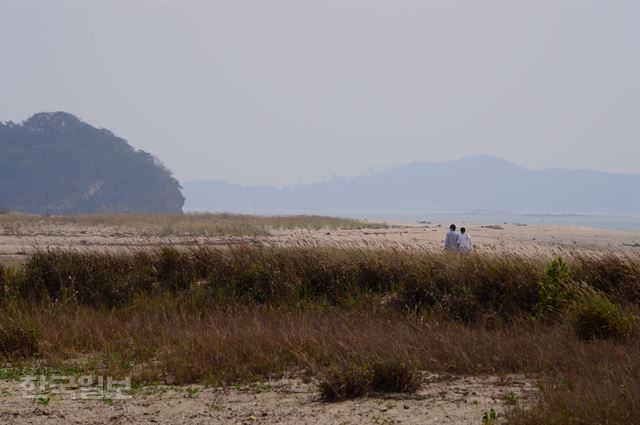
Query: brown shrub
x,y
601,387
345,382
394,376
617,276
2,284
18,334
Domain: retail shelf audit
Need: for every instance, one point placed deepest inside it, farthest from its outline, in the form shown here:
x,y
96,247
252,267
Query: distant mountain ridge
x,y
465,185
80,168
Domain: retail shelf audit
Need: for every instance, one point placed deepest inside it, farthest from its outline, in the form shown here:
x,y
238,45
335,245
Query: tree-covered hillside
x,y
80,168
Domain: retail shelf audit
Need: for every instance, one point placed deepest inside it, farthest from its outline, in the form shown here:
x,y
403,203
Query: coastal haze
x,y
283,94
477,189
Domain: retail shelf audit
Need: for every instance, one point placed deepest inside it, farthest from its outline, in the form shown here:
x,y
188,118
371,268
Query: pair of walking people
x,y
457,242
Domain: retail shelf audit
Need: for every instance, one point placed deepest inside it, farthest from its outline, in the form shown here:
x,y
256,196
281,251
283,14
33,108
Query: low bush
x,y
598,384
97,279
555,291
346,382
394,376
11,277
356,379
617,276
593,315
18,334
3,290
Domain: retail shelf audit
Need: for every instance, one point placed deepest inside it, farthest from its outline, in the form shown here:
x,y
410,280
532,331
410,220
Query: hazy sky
x,y
291,92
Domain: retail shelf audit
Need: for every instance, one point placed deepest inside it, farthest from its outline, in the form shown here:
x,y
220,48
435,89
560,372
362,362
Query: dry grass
x,y
189,224
251,312
461,287
157,340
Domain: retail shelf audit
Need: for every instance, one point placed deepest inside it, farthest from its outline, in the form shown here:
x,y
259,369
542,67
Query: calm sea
x,y
615,222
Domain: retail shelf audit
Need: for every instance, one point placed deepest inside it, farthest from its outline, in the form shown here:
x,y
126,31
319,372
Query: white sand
x,y
529,239
449,400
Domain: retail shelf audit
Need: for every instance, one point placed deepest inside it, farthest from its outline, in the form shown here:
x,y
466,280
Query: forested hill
x,y
82,169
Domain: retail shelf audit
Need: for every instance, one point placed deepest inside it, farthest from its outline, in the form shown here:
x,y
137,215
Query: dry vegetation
x,y
359,320
189,224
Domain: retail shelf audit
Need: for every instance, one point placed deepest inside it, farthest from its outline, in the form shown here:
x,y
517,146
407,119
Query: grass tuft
x,y
344,382
352,379
593,315
18,334
394,376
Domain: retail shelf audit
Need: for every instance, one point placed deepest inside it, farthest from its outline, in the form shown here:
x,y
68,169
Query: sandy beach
x,y
442,400
17,242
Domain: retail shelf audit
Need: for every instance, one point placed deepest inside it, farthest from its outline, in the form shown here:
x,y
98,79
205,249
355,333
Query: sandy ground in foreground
x,y
525,239
441,400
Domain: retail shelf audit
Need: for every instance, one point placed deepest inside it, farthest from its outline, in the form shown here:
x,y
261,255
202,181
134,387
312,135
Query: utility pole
x,y
46,204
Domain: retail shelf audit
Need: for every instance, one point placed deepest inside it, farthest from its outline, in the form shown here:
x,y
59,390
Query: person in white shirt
x,y
464,241
451,240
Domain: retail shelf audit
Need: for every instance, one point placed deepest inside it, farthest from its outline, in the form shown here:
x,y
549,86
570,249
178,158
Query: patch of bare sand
x,y
523,239
441,400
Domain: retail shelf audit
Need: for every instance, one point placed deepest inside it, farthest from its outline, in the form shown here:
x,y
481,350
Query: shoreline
x,y
533,239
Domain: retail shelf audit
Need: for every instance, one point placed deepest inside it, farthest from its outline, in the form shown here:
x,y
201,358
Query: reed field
x,y
187,224
356,321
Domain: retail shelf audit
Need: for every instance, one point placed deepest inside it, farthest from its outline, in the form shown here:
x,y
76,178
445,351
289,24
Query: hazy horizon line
x,y
381,170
